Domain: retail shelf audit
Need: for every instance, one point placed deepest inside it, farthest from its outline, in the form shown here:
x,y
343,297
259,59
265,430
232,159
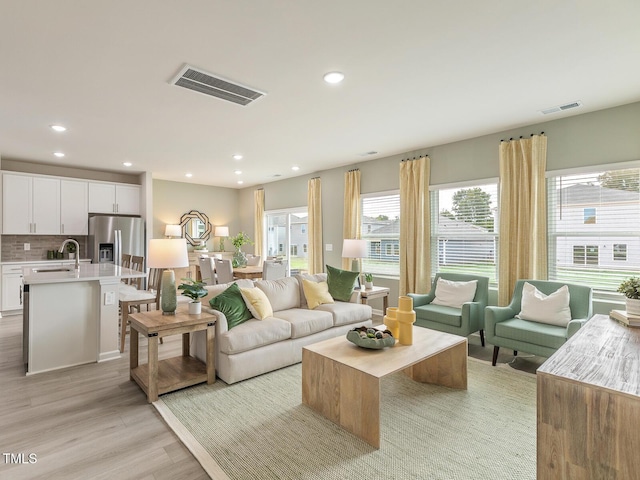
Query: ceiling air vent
x,y
215,86
561,108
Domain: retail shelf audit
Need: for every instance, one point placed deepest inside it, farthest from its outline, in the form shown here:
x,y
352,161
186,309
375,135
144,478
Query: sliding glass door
x,y
286,237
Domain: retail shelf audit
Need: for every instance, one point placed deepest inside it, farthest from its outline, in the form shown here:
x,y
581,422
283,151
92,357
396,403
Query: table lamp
x,y
173,231
355,249
221,232
168,253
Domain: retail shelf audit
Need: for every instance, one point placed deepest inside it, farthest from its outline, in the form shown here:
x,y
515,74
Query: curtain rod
x,y
511,139
414,158
354,170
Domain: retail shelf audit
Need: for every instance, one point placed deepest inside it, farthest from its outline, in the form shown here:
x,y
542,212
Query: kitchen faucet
x,y
64,244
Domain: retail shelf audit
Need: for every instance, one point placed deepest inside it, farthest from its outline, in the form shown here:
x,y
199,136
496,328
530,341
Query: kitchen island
x,y
71,315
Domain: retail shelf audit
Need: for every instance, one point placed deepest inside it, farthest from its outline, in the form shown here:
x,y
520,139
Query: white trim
x,y
467,183
386,193
290,210
605,167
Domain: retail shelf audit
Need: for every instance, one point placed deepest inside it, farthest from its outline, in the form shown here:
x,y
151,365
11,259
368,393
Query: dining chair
x,y
207,270
224,271
137,263
253,260
133,298
274,269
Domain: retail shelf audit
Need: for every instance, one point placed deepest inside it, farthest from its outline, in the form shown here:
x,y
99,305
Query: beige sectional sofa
x,y
259,346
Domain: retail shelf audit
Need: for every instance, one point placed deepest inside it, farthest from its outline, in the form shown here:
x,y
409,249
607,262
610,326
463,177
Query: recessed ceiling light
x,y
58,128
238,172
240,182
237,156
127,164
295,168
59,154
188,175
333,77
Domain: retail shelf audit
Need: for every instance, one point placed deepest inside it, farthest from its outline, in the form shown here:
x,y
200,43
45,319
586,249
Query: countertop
x,y
43,261
87,272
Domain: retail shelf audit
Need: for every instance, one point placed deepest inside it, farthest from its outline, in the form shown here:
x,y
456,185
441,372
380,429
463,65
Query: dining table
x,y
249,271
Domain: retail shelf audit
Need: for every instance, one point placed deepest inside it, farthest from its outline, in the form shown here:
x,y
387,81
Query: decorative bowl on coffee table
x,y
362,337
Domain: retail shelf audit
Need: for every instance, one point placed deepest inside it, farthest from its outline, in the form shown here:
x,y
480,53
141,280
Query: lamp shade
x,y
173,231
221,232
168,253
352,248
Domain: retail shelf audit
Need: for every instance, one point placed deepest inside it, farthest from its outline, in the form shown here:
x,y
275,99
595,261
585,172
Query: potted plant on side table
x,y
630,288
368,281
195,291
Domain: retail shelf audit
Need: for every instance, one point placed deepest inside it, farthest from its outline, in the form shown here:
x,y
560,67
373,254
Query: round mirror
x,y
195,227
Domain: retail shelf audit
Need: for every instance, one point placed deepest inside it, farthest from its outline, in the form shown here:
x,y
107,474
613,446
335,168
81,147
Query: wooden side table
x,y
158,377
376,292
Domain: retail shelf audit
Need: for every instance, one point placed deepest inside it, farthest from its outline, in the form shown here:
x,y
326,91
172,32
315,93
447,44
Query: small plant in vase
x,y
368,280
630,288
195,291
239,258
71,250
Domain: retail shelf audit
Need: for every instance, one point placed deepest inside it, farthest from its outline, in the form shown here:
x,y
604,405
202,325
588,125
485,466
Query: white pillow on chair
x,y
538,307
454,294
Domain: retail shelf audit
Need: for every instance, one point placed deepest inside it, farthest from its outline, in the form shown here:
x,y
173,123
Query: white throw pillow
x,y
454,294
538,307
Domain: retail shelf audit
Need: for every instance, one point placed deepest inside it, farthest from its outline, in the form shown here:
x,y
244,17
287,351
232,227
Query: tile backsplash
x,y
13,247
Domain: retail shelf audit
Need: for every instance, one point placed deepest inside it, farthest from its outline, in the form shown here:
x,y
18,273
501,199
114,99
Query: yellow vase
x,y
406,318
391,322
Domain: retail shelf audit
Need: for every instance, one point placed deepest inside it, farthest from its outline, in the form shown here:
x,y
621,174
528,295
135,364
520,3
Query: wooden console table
x,y
589,405
158,377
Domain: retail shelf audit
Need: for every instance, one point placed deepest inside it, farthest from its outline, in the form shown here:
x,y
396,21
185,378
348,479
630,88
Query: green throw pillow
x,y
341,283
231,303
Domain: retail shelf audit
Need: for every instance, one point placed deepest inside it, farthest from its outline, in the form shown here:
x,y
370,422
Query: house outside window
x,y
380,227
594,226
464,229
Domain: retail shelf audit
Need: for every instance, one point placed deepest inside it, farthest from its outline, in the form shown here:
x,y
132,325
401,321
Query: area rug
x,y
259,429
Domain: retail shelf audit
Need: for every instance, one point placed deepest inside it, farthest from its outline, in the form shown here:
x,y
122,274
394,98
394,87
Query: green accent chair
x,y
504,329
459,321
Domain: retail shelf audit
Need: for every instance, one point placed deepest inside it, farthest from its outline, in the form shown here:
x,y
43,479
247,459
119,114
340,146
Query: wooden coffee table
x,y
342,381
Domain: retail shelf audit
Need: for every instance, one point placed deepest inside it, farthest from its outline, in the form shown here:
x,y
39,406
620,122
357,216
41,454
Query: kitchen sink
x,y
49,270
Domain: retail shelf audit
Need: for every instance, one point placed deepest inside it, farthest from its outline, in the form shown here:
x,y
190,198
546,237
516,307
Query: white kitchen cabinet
x,y
30,205
12,288
74,207
114,198
16,204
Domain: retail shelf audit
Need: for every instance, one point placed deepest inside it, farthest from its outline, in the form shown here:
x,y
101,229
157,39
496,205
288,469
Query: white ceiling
x,y
418,73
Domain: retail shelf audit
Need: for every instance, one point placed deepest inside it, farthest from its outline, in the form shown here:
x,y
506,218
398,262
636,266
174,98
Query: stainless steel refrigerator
x,y
112,235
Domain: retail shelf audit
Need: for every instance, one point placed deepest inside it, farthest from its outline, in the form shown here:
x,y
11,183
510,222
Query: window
x,y
381,228
285,231
594,227
620,251
464,236
589,216
585,255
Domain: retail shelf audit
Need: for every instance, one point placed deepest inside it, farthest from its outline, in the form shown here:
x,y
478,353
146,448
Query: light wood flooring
x,y
92,422
86,422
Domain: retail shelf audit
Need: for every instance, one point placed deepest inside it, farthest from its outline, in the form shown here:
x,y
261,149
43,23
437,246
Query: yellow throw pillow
x,y
316,293
257,303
